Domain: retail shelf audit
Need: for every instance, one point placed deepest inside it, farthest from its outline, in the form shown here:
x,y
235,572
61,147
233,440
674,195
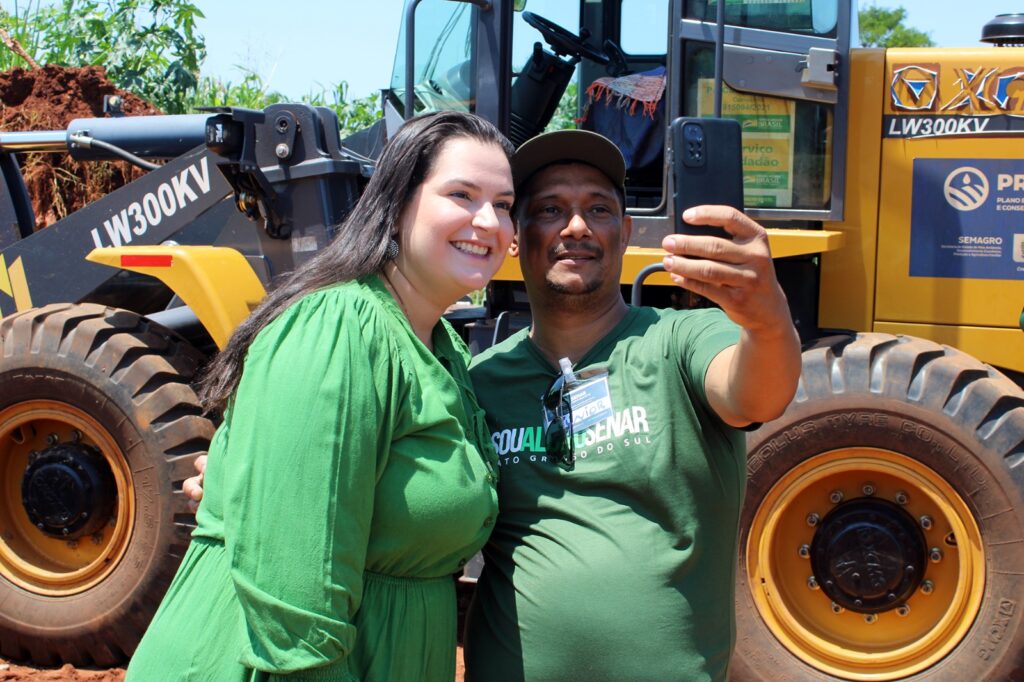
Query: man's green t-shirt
x,y
622,569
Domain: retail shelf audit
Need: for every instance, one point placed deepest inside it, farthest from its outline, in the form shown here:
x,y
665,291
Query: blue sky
x,y
314,44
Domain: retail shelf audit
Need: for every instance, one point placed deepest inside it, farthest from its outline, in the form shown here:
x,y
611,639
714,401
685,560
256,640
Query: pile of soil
x,y
49,99
10,672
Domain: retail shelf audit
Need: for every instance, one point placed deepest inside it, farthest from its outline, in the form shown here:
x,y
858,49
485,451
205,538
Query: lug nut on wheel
x,y
935,555
926,522
836,496
804,551
813,519
812,583
902,610
868,489
927,587
870,618
901,498
837,609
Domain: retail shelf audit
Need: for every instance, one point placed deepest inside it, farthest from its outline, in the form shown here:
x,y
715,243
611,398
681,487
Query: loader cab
x,y
627,68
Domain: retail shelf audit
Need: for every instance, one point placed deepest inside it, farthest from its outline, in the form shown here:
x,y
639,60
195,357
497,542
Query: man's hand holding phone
x,y
737,273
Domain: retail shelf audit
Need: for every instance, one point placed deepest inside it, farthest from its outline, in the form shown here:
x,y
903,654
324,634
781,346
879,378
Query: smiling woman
x,y
346,384
455,231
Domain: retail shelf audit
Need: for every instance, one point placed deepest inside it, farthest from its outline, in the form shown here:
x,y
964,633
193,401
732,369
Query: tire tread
x,y
147,369
946,390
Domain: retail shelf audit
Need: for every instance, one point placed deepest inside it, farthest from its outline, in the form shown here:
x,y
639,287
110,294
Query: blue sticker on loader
x,y
967,219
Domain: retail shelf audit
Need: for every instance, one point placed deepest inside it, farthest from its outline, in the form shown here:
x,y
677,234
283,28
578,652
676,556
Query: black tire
x,y
873,414
119,385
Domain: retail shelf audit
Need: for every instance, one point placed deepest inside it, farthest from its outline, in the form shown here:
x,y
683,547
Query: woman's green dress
x,y
352,476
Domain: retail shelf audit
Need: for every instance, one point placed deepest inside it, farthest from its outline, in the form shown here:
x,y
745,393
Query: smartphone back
x,y
707,167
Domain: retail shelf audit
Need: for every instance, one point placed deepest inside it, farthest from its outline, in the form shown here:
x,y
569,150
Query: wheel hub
x,y
68,490
868,555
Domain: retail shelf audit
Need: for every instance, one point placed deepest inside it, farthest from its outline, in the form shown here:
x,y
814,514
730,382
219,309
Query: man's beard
x,y
563,290
573,298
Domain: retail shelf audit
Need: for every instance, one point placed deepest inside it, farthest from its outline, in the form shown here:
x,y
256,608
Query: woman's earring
x,y
391,252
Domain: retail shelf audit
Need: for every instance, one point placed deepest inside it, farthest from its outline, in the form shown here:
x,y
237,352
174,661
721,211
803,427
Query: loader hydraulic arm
x,y
283,166
49,266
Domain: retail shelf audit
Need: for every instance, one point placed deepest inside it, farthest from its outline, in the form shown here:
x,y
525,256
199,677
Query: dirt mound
x,y
20,673
49,99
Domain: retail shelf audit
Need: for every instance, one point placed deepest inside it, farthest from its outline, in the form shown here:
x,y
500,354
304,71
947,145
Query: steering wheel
x,y
562,41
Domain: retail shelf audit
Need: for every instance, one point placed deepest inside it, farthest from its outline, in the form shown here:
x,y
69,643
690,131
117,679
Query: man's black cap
x,y
567,146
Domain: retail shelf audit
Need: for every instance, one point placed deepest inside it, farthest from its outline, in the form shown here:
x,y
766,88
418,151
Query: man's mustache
x,y
576,249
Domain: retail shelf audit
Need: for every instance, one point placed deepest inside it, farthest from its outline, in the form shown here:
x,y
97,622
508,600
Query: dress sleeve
x,y
309,433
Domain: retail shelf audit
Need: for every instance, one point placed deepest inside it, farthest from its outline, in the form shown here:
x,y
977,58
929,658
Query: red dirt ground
x,y
49,99
10,672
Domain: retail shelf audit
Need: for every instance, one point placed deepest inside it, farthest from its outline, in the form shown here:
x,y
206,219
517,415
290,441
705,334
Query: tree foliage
x,y
253,93
353,114
565,115
152,49
880,27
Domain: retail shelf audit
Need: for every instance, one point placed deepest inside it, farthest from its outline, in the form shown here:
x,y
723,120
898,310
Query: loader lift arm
x,y
283,166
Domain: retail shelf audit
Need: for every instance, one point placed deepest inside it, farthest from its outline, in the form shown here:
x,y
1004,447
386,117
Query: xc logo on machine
x,y
966,188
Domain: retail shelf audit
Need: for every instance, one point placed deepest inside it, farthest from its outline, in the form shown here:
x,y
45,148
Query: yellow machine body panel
x,y
951,217
216,282
847,285
941,227
783,243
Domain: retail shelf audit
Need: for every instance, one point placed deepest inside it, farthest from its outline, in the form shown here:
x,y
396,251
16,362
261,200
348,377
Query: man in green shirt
x,y
621,568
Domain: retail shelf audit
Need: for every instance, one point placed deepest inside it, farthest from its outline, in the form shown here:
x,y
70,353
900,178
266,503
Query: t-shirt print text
x,y
622,429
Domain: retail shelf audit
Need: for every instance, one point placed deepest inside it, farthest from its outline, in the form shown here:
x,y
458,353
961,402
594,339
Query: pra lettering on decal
x,y
967,189
168,199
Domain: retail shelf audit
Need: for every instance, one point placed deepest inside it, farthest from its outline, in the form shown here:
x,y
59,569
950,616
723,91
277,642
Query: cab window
x,y
787,143
807,17
643,27
443,69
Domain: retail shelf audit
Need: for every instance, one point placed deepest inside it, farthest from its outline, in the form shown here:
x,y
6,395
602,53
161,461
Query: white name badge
x,y
591,403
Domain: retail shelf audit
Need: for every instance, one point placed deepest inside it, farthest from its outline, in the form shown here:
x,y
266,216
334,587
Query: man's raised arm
x,y
754,380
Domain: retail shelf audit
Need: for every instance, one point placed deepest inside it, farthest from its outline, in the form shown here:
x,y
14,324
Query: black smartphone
x,y
708,168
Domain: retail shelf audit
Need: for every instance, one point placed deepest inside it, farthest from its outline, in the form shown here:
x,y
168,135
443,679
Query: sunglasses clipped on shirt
x,y
557,412
557,407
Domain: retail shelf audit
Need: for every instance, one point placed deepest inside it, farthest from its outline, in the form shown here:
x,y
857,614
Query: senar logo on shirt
x,y
622,429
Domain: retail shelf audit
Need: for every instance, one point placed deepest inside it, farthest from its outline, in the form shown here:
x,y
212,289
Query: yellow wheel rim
x,y
30,558
894,643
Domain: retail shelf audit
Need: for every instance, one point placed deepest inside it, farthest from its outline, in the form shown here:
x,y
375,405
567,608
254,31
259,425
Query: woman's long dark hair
x,y
359,249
